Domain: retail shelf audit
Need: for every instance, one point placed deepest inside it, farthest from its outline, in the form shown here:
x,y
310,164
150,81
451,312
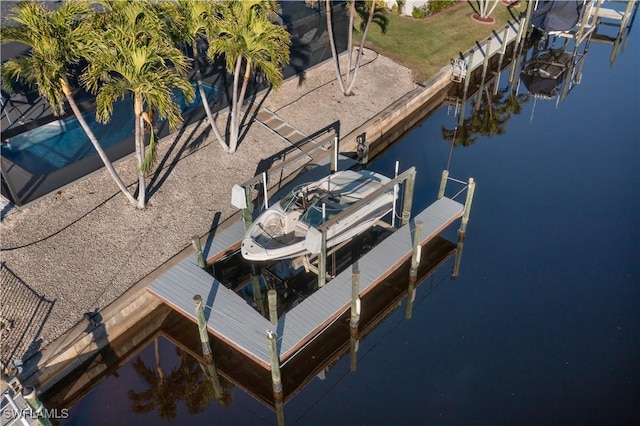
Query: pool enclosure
x,y
42,154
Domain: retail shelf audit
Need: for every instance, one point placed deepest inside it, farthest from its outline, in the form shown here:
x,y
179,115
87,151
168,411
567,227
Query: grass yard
x,y
427,45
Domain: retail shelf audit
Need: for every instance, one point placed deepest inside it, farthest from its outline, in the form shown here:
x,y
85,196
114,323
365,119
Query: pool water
x,y
60,143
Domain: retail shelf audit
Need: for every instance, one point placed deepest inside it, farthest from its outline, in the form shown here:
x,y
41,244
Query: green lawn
x,y
427,45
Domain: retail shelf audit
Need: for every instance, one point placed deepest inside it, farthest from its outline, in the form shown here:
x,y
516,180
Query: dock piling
x,y
407,198
411,297
467,206
355,299
354,345
275,362
272,297
202,325
255,286
458,256
354,341
465,88
247,212
417,249
443,183
279,403
197,247
322,260
485,62
207,354
30,395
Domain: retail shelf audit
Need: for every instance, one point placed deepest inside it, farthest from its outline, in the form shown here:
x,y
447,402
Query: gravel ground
x,y
80,249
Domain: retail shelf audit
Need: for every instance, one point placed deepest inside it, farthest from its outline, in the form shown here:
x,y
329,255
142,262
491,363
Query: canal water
x,y
541,327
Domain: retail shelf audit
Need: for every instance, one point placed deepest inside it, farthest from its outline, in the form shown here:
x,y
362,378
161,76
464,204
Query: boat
x,y
557,16
542,74
280,232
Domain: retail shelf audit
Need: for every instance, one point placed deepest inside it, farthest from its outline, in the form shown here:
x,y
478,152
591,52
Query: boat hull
x,y
280,231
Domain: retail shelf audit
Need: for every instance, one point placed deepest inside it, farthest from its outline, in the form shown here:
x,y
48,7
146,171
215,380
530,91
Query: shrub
x,y
419,12
435,6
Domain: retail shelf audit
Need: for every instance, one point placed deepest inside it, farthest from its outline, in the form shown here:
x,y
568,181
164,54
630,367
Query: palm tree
x,y
463,134
198,390
514,101
248,40
163,392
197,16
135,56
58,39
369,12
332,43
484,10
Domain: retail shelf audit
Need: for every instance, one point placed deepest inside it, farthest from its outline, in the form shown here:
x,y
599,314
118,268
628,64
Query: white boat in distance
x,y
280,231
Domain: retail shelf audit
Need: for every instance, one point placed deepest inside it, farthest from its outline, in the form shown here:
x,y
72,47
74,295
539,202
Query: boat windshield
x,y
313,215
293,200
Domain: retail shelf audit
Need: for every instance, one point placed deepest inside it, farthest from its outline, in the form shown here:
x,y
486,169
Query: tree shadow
x,y
473,6
289,153
516,13
24,314
212,233
169,161
280,156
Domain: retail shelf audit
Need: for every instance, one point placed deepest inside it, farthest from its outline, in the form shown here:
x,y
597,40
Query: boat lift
x,y
316,238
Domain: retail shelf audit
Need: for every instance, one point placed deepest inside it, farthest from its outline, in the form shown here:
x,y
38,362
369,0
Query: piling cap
x,y
29,392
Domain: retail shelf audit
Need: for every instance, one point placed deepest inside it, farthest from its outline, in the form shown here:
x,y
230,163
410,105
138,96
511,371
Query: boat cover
x,y
557,15
543,73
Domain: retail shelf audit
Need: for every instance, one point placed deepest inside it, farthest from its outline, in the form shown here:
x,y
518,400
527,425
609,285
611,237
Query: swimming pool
x,y
60,143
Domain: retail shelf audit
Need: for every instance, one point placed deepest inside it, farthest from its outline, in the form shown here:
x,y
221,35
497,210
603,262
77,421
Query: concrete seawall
x,y
400,116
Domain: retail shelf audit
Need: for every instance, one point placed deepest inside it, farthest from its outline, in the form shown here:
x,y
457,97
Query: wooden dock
x,y
233,321
14,410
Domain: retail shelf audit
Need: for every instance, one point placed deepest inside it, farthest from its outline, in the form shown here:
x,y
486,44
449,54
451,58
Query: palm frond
x,y
152,153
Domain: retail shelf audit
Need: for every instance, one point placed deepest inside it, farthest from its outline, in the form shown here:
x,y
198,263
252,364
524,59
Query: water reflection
x,y
168,372
548,65
187,383
490,113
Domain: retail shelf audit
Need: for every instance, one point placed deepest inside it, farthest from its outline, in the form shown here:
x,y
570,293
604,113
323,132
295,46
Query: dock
x,y
232,320
15,410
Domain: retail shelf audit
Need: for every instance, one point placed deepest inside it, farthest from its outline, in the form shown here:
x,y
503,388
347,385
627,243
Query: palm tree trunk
x,y
332,42
235,124
139,142
352,15
243,91
157,353
103,155
205,101
372,10
485,9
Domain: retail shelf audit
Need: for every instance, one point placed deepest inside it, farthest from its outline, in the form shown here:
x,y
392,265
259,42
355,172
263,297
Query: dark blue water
x,y
55,145
543,324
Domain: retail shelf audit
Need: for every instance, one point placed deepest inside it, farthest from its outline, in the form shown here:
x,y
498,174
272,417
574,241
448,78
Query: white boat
x,y
280,231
